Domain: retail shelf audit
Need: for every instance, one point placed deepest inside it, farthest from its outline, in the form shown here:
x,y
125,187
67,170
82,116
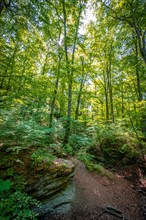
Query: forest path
x,y
94,192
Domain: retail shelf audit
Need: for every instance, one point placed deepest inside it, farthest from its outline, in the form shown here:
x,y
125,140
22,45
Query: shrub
x,y
39,155
78,141
25,131
15,204
92,165
116,143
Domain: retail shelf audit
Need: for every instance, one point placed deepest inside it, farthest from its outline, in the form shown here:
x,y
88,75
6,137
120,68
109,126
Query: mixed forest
x,y
72,84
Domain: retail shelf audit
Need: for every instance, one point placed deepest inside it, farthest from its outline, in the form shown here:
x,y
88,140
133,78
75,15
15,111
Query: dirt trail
x,y
94,192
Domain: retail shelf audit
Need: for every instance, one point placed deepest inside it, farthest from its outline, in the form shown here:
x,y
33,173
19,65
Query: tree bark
x,y
106,96
122,94
137,74
55,93
83,80
109,79
70,71
67,126
53,102
111,96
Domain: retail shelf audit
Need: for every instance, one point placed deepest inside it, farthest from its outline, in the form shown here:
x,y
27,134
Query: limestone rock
x,y
53,187
59,203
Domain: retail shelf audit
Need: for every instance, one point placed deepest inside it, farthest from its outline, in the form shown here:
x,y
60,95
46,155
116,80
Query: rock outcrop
x,y
53,187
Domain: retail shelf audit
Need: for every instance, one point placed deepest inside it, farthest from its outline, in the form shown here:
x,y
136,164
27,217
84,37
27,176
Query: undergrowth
x,y
15,204
25,138
114,143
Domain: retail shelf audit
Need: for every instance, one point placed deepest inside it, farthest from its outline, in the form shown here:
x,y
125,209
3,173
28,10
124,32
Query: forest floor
x,y
100,197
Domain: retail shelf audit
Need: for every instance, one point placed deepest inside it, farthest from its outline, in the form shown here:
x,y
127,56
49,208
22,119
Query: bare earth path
x,y
94,192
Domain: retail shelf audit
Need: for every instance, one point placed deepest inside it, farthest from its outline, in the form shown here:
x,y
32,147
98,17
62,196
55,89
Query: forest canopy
x,y
56,59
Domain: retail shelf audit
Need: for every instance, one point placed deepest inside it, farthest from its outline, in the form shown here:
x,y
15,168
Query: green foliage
x,y
115,143
92,165
58,149
58,130
78,141
15,204
68,149
40,154
77,127
16,127
87,159
5,185
110,142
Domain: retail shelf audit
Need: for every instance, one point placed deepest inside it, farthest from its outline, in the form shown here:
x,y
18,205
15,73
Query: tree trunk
x,y
106,96
55,93
70,71
110,87
79,98
137,74
140,97
53,102
141,39
110,93
83,80
107,108
122,94
111,99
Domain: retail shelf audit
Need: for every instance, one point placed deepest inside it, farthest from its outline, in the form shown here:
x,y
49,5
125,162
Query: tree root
x,y
112,211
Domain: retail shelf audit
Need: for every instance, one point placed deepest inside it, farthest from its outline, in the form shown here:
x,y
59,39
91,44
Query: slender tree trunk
x,y
137,74
83,80
61,100
79,98
70,71
107,108
110,94
139,90
67,127
105,77
111,100
53,102
140,36
110,88
55,93
122,94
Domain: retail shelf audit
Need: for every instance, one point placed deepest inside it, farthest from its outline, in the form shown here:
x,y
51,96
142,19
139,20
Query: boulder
x,y
53,186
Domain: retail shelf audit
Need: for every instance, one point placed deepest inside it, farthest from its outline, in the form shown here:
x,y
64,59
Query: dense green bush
x,y
15,204
77,141
39,155
92,165
114,143
24,130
